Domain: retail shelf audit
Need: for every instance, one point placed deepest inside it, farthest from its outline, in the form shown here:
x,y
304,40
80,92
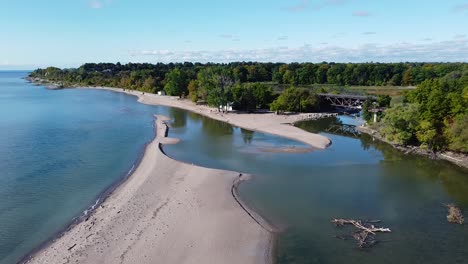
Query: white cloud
x,y
452,50
155,52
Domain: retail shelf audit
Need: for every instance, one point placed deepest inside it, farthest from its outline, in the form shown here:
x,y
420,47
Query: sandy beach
x,y
270,123
166,212
172,212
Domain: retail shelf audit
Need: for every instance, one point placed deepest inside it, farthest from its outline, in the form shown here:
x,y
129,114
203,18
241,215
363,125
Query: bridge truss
x,y
345,101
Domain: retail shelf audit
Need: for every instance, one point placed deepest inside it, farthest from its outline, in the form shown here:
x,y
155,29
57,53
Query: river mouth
x,y
357,177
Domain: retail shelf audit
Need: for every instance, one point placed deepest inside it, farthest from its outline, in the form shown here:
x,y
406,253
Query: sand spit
x,y
270,123
167,212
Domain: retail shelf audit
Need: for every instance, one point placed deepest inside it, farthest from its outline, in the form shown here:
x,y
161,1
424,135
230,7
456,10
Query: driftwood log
x,y
454,214
70,248
366,231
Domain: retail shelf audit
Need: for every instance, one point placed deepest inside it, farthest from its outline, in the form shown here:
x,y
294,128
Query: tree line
x,y
246,84
153,77
434,116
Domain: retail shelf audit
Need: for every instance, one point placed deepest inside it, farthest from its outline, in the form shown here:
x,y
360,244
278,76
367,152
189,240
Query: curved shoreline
x,y
233,230
275,128
460,161
100,199
270,123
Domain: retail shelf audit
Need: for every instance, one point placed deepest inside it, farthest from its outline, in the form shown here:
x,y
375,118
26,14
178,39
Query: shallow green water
x,y
354,178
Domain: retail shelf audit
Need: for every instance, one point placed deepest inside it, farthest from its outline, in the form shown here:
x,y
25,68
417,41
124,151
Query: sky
x,y
68,33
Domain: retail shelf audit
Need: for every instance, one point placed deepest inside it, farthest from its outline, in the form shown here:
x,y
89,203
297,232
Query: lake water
x,y
60,149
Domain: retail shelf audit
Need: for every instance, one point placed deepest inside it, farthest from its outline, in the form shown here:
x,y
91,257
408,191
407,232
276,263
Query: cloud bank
x,y
446,51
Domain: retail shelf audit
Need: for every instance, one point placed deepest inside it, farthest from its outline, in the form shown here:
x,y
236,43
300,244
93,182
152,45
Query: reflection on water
x,y
334,126
357,177
57,156
247,136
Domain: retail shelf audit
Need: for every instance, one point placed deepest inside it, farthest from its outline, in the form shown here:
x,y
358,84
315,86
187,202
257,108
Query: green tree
x,y
335,75
457,133
427,135
289,78
407,78
322,73
263,94
217,84
465,93
221,93
243,97
366,106
193,90
150,84
176,83
384,100
295,100
400,123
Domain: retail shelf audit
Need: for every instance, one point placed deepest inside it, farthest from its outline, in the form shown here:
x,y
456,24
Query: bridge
x,y
346,100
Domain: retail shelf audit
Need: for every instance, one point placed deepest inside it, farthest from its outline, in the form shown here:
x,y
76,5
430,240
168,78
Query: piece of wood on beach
x,y
70,248
454,214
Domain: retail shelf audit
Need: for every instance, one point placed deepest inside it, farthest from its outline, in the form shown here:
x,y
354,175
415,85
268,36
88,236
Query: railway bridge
x,y
346,100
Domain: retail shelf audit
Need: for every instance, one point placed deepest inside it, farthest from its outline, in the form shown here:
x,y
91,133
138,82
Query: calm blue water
x,y
58,151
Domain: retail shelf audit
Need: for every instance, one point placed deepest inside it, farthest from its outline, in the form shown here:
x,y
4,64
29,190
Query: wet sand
x,y
173,212
167,212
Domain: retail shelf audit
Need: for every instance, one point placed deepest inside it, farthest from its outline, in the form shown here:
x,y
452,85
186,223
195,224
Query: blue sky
x,y
67,33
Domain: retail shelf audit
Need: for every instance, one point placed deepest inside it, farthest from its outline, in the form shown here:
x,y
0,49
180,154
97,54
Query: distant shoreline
x,y
454,158
270,123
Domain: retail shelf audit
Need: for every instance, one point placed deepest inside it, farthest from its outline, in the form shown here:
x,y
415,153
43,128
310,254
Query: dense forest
x,y
154,77
433,116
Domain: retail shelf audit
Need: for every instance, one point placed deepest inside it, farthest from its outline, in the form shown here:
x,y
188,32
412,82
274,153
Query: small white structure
x,y
226,108
162,93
